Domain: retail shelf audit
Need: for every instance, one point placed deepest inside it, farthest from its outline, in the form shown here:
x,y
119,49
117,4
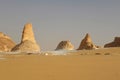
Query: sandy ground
x,y
70,67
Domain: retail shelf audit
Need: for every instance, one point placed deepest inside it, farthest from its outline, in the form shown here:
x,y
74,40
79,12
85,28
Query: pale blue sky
x,y
57,20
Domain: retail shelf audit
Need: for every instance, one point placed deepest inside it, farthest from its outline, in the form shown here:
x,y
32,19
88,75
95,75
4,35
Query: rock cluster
x,y
6,43
65,45
115,43
87,43
28,42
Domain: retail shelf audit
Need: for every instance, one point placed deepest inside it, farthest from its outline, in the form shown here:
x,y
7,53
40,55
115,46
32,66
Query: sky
x,y
57,20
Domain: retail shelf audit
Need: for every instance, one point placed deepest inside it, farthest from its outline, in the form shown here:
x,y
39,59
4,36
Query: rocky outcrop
x,y
6,43
115,43
87,43
65,45
28,42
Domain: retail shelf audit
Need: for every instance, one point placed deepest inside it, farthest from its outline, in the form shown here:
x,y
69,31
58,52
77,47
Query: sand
x,y
69,67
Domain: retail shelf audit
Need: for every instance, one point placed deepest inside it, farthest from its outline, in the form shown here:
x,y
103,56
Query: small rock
x,y
65,45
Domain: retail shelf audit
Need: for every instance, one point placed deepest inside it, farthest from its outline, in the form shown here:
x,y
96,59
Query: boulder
x,y
87,43
28,42
115,43
65,45
6,43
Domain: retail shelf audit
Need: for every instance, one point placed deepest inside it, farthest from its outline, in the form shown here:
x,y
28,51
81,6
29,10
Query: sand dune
x,y
69,67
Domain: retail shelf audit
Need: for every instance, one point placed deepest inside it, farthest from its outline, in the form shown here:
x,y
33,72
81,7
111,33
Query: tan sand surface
x,y
70,67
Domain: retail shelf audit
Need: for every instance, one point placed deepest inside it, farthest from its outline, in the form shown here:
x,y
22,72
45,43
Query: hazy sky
x,y
57,20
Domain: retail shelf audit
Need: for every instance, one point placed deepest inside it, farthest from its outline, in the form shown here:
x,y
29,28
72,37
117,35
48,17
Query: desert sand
x,y
78,66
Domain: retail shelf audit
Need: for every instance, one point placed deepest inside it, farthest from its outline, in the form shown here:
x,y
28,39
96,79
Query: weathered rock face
x,y
6,44
115,43
87,43
28,42
65,45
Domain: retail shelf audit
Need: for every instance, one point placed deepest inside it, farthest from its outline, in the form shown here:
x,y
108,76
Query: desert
x,y
26,61
59,39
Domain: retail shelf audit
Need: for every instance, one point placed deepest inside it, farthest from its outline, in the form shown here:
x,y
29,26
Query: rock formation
x,y
6,44
28,42
115,43
28,33
65,45
87,43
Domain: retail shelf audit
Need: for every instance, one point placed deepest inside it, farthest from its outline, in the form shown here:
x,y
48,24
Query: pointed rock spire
x,y
87,43
28,33
87,38
28,42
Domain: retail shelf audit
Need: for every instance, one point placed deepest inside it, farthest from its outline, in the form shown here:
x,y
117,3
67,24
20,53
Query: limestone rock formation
x,y
87,43
6,43
28,33
115,43
65,45
28,42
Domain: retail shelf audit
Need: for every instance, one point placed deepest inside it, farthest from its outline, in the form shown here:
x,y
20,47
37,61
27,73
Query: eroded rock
x,y
6,43
28,42
115,43
87,43
65,45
